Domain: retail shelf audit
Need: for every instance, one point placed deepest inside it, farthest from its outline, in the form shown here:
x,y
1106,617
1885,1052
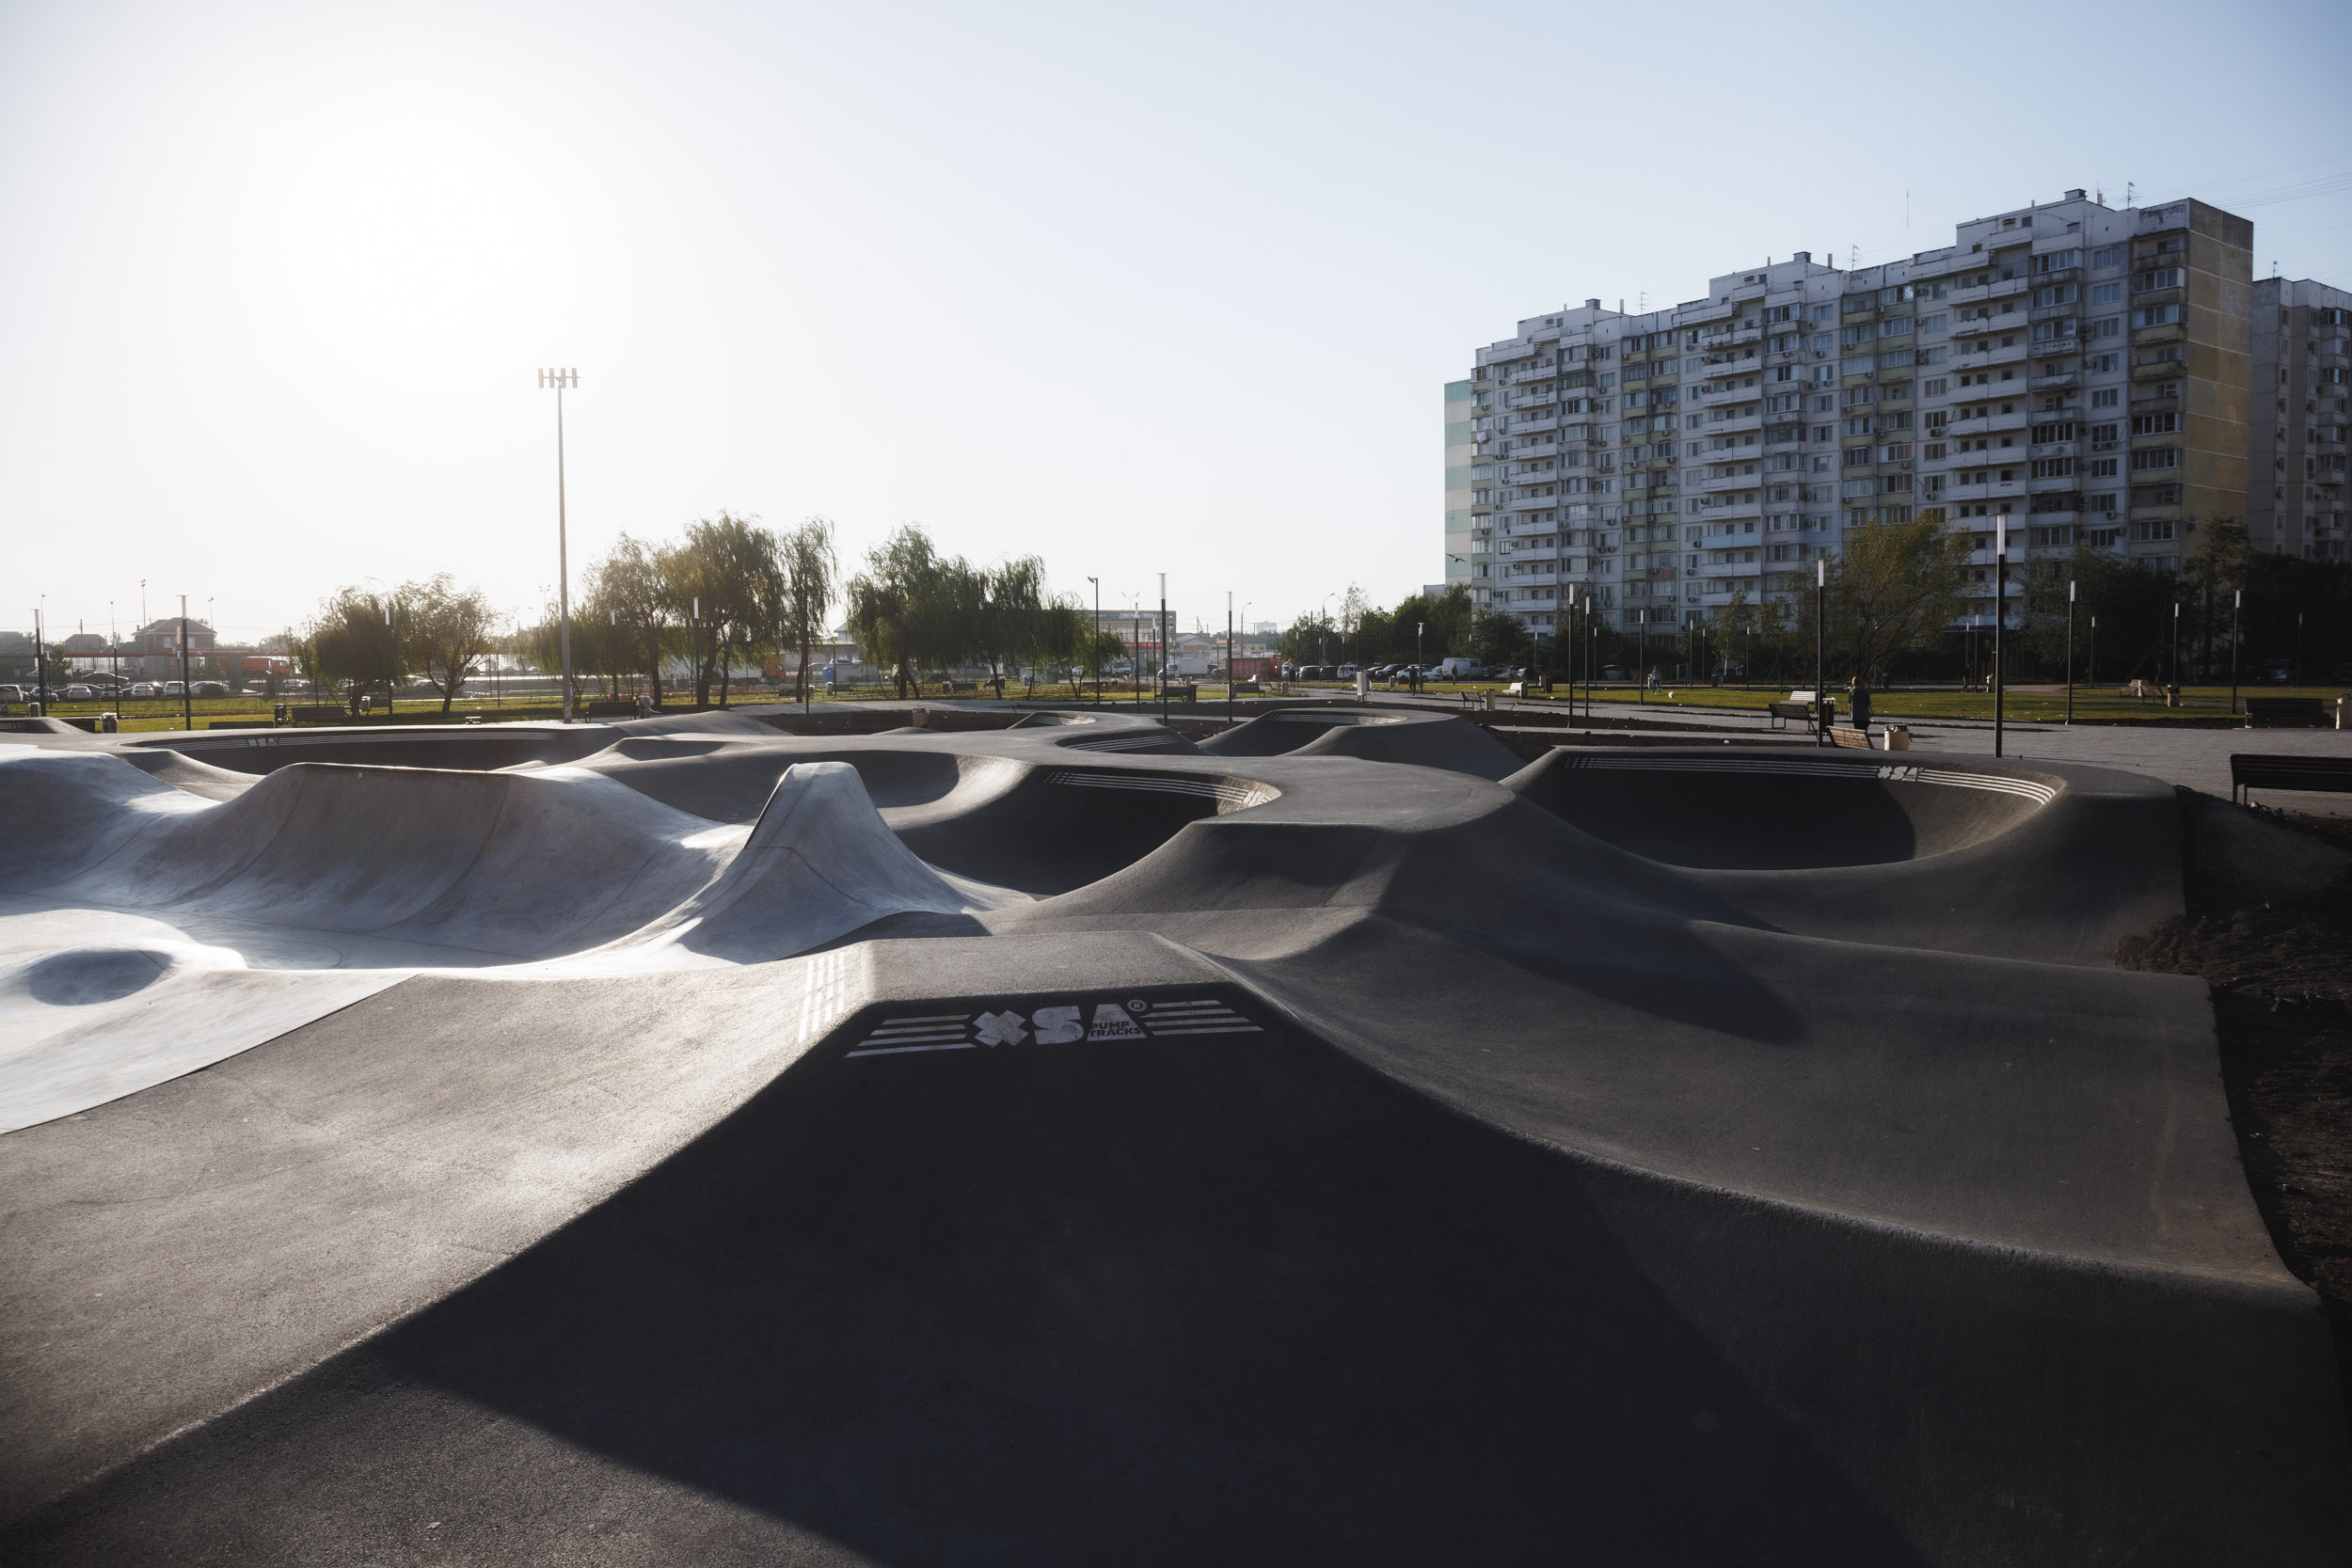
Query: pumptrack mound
x,y
1071,1144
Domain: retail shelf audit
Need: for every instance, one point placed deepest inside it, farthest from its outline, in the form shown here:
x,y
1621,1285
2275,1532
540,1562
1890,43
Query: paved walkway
x,y
2198,758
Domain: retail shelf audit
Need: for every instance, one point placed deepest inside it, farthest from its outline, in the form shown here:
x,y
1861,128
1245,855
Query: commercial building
x,y
2296,501
2083,370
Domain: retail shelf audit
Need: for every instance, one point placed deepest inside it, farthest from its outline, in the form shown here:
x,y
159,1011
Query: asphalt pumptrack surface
x,y
1336,1141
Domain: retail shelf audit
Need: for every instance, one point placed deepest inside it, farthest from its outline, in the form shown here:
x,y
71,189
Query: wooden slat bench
x,y
2252,770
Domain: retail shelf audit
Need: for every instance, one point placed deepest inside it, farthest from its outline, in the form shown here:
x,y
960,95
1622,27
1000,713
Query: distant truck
x,y
1455,668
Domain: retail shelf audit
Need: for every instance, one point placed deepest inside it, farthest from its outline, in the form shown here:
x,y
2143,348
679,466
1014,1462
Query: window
x,y
2061,331
2103,435
2155,458
2101,364
2156,315
1934,388
2154,424
2059,431
2052,467
2056,261
1824,312
1929,356
2102,468
1933,323
2107,256
2153,528
1821,342
2104,396
1861,332
2107,294
1934,452
2056,293
2163,277
1857,457
2106,326
1895,329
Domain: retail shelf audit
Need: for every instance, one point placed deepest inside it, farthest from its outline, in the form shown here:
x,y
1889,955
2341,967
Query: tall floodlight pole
x,y
1821,649
558,381
2069,650
1094,641
1163,649
2091,655
2237,602
1592,654
2000,624
1641,672
40,660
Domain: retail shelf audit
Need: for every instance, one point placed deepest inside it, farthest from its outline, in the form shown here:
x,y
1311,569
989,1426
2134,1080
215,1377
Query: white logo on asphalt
x,y
1001,1028
1057,1025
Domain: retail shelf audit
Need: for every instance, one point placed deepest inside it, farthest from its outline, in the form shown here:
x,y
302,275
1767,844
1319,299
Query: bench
x,y
1797,709
2281,713
2252,770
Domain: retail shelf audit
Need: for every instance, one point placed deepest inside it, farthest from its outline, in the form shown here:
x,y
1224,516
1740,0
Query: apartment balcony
x,y
1979,295
2056,382
1738,390
1740,421
2160,370
2173,332
1533,425
1999,422
2008,349
1542,399
1994,489
1996,323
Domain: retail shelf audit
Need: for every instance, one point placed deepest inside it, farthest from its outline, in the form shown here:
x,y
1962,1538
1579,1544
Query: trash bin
x,y
108,723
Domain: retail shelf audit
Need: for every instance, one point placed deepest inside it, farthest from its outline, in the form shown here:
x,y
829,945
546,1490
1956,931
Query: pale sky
x,y
1138,288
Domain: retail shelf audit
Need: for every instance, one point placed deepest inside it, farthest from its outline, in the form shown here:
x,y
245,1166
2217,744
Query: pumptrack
x,y
1329,1142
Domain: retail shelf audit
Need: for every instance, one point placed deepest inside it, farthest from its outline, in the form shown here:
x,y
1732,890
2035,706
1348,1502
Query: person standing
x,y
1858,698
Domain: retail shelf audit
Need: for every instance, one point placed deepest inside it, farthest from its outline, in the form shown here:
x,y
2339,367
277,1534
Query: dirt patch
x,y
2269,928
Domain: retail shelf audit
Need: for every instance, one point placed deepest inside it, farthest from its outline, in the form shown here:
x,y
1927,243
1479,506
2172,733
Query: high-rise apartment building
x,y
2081,370
2296,503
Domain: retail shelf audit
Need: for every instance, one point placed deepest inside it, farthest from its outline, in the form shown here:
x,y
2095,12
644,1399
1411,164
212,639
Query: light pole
x,y
1640,662
2000,624
40,661
1094,641
2069,650
2091,655
558,381
1418,628
1821,649
1229,657
2237,602
187,709
2174,699
1163,628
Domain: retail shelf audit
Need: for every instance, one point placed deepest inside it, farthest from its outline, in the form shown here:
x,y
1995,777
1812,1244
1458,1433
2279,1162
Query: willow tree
x,y
805,555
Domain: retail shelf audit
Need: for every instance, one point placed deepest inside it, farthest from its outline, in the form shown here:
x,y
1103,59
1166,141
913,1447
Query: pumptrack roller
x,y
1068,1143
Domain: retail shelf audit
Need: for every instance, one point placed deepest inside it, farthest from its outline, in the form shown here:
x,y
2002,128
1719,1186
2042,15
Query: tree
x,y
629,588
729,567
447,631
1498,638
894,609
805,555
1895,586
353,643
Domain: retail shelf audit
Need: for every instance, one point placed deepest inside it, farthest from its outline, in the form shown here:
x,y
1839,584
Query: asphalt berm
x,y
1335,1139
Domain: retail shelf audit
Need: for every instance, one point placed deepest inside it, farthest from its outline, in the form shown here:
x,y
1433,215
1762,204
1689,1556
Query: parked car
x,y
18,694
208,688
78,693
171,688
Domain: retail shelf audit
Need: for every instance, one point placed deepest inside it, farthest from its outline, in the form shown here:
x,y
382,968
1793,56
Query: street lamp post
x,y
1640,662
1094,641
2237,602
2000,626
2069,650
1228,656
2174,699
187,708
40,660
2091,655
1163,628
558,381
1820,648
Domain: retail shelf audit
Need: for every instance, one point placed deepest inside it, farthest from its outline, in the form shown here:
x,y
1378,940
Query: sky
x,y
1137,289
